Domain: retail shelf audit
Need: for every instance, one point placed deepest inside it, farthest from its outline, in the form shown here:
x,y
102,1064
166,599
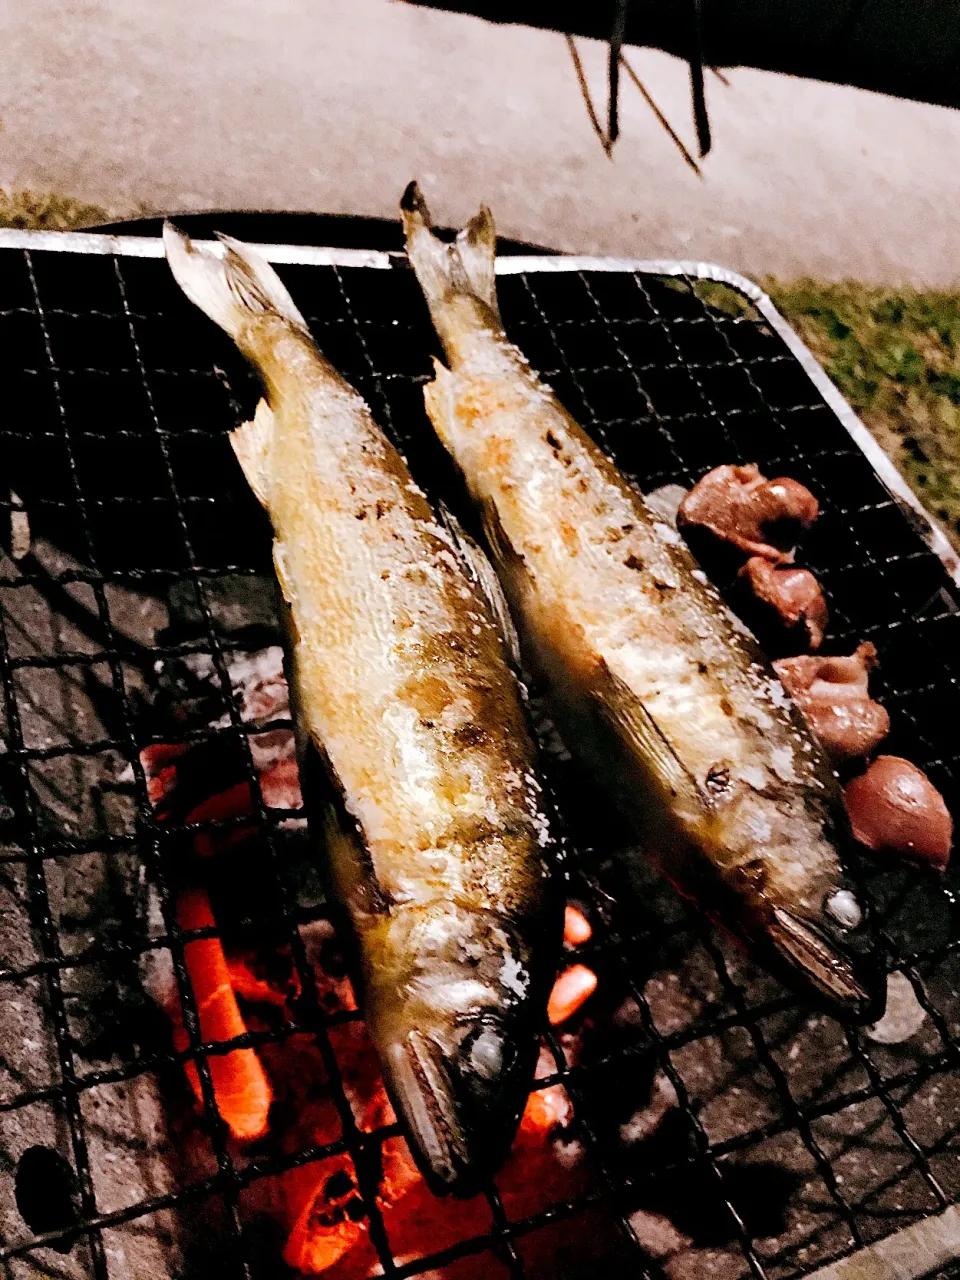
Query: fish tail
x,y
234,287
447,271
238,290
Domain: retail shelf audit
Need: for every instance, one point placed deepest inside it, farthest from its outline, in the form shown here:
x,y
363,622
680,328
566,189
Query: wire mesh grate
x,y
717,1122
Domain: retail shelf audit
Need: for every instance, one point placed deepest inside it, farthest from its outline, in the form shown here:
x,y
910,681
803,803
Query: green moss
x,y
895,355
38,211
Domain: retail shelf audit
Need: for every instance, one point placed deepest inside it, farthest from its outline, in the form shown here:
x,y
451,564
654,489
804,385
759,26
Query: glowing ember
x,y
576,927
571,990
240,1085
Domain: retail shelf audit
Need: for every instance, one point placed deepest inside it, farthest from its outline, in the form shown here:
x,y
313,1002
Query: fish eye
x,y
843,907
485,1052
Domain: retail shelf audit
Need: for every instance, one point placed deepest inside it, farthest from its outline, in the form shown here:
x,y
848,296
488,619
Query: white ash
x,y
644,1121
568,1152
628,1014
657,1234
259,680
19,528
270,749
903,1016
317,935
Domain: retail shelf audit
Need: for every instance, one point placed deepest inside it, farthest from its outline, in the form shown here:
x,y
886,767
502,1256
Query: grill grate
x,y
788,1140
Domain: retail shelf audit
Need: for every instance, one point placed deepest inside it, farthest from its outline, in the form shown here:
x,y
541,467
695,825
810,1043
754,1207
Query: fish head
x,y
458,1037
801,906
785,886
832,947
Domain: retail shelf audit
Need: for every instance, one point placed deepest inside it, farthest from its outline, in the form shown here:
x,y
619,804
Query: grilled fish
x,y
653,681
411,730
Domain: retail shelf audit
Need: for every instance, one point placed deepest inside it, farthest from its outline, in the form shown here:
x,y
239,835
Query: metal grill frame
x,y
229,1179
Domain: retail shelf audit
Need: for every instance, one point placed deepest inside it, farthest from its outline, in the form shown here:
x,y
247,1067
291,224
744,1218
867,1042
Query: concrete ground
x,y
314,104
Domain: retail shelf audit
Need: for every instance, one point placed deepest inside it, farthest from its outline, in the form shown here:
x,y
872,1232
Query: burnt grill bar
x,y
673,375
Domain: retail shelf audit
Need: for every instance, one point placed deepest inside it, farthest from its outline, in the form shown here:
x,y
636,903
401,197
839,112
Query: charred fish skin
x,y
654,683
413,738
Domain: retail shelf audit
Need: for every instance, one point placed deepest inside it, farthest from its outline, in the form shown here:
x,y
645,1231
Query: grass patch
x,y
39,211
721,297
895,356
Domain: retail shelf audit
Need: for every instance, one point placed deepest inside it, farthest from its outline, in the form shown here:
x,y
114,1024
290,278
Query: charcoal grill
x,y
788,1141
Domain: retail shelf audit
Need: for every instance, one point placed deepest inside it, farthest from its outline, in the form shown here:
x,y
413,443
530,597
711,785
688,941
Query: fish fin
x,y
439,402
622,709
465,267
476,247
348,864
251,443
283,574
502,550
483,574
665,502
231,287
